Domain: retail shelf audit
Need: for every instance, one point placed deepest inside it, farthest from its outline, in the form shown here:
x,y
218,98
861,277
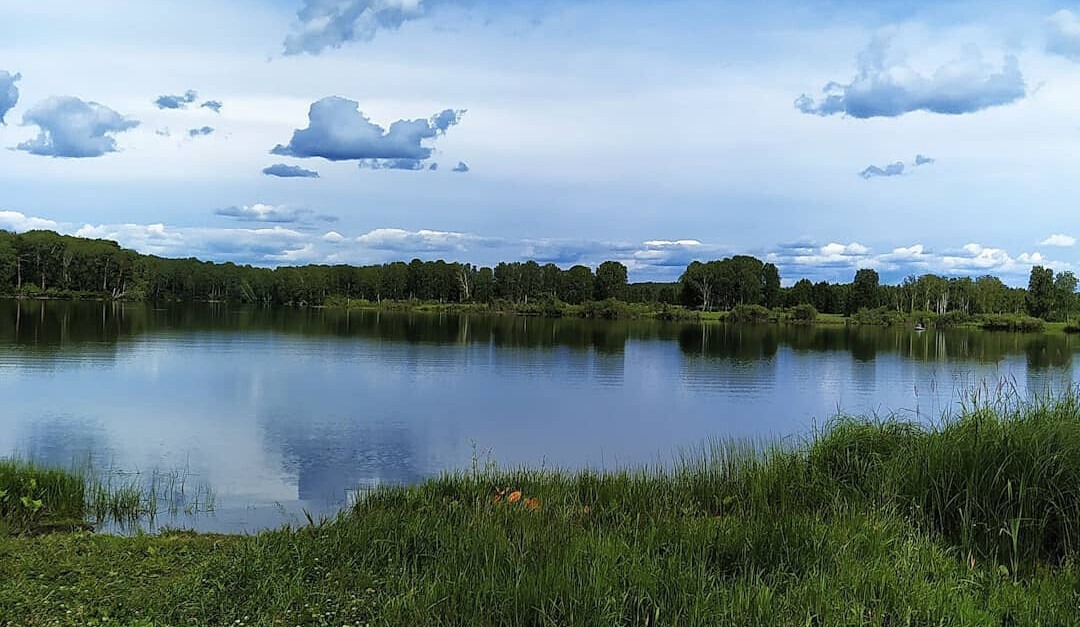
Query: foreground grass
x,y
973,522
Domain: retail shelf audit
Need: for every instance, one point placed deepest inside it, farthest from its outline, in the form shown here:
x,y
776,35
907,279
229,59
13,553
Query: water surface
x,y
283,411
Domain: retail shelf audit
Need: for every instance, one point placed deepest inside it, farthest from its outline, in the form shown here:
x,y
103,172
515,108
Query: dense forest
x,y
47,264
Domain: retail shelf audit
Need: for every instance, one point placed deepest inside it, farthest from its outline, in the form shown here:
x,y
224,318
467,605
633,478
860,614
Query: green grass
x,y
33,498
36,500
972,521
610,309
830,318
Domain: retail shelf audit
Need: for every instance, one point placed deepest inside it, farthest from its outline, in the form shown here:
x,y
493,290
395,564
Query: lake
x,y
288,412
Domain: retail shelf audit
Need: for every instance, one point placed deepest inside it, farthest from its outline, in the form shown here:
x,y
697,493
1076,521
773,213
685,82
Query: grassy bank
x,y
742,314
610,309
975,521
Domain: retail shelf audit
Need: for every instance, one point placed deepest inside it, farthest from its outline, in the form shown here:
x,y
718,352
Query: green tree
x,y
577,284
770,278
610,280
484,285
551,280
802,293
1040,296
532,281
990,295
699,285
864,291
394,281
9,259
1065,294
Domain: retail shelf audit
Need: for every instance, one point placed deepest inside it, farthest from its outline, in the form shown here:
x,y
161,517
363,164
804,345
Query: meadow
x,y
973,520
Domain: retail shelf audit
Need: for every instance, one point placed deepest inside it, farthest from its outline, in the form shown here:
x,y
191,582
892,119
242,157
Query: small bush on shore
x,y
804,313
750,314
1011,322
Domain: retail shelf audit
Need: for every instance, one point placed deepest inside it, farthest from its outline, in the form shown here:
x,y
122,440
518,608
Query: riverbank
x,y
742,314
975,521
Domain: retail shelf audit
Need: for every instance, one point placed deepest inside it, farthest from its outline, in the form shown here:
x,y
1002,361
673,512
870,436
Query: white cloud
x,y
1059,239
885,86
661,243
846,250
18,222
915,251
421,241
71,128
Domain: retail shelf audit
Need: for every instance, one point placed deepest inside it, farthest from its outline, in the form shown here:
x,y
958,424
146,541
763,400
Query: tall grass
x,y
31,496
38,499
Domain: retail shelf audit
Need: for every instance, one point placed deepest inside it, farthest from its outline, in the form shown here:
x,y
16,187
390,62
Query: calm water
x,y
282,411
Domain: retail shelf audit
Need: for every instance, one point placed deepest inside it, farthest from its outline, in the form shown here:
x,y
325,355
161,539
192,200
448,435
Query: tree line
x,y
44,263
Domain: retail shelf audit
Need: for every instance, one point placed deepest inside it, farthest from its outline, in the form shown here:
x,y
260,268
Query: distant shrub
x,y
609,309
951,319
804,313
750,314
1011,322
1072,327
674,313
881,316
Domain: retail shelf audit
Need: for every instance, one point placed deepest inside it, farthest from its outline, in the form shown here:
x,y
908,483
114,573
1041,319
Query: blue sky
x,y
909,137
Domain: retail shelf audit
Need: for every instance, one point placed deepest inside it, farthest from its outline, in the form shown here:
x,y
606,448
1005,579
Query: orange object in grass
x,y
514,497
533,503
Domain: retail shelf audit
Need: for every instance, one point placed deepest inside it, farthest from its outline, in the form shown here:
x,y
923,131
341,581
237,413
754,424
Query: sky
x,y
908,137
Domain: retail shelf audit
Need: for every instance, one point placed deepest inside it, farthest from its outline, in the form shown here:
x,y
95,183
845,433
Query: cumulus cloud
x,y
433,167
976,258
72,128
323,24
886,87
176,102
338,131
838,262
832,260
923,160
401,240
213,105
853,249
9,93
19,222
1059,239
289,171
1063,34
271,213
461,167
915,252
198,132
893,169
